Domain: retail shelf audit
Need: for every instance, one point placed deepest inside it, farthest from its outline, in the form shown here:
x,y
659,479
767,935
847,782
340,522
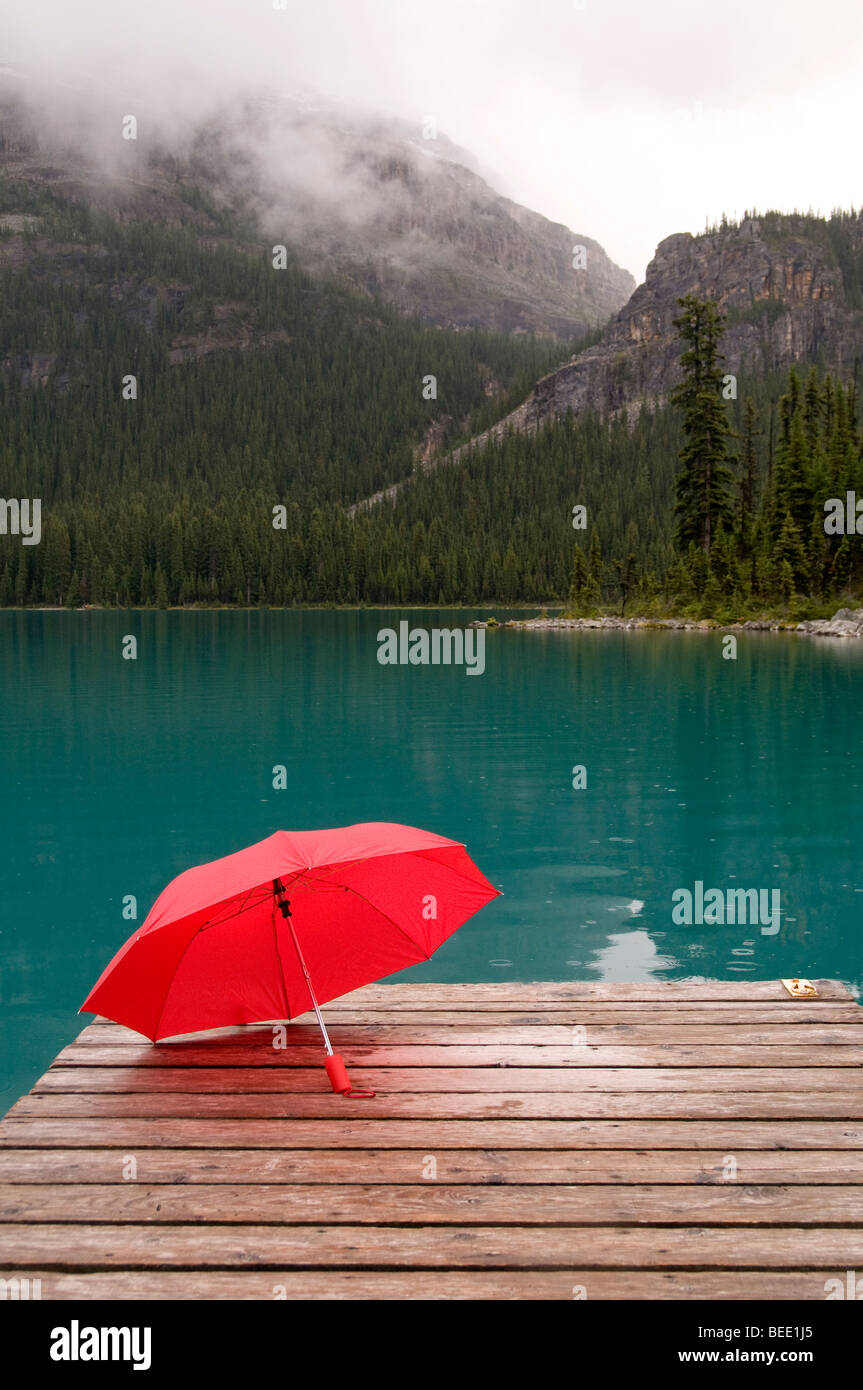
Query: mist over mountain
x,y
394,208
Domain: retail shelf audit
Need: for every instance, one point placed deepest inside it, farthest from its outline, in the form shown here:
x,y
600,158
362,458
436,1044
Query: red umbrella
x,y
241,939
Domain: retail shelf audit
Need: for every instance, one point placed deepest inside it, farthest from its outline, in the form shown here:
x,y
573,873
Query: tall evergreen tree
x,y
594,567
580,578
704,479
747,485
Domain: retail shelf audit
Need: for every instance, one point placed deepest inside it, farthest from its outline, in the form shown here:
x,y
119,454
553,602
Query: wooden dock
x,y
550,1141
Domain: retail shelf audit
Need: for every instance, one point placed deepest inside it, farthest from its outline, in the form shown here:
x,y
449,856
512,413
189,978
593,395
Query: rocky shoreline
x,y
846,622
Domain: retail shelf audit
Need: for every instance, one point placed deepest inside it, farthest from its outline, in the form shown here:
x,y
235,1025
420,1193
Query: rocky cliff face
x,y
395,209
402,211
788,285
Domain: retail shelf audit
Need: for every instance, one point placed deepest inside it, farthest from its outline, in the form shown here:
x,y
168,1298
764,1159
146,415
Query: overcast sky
x,y
626,120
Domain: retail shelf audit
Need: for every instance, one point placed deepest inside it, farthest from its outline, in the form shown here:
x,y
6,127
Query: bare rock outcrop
x,y
778,280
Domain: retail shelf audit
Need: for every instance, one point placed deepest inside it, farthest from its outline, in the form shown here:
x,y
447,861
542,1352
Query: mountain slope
x,y
397,214
242,376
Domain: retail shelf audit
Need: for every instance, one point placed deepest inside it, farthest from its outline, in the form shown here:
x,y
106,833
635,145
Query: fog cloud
x,y
625,120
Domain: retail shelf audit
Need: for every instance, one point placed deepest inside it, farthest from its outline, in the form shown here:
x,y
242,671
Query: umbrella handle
x,y
339,1079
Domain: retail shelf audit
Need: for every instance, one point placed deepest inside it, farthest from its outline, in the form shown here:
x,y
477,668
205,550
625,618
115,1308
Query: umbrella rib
x,y
171,984
420,854
375,908
346,887
220,922
205,926
458,872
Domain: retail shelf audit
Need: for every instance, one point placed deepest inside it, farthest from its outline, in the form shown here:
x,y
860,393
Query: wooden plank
x,y
408,1055
432,1135
795,1011
833,1248
396,1006
587,989
429,1203
712,1104
544,1285
311,1080
530,1165
609,1034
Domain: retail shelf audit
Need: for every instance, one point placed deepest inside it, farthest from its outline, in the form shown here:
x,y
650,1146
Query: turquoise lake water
x,y
117,775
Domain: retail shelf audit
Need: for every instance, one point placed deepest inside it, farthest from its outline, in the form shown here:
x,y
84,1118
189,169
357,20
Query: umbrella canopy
x,y
294,920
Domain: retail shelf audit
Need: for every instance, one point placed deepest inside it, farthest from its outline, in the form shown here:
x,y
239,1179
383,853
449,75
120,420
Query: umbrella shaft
x,y
318,1014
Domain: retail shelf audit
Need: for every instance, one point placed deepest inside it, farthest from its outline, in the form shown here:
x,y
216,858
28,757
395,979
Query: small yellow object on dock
x,y
801,989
